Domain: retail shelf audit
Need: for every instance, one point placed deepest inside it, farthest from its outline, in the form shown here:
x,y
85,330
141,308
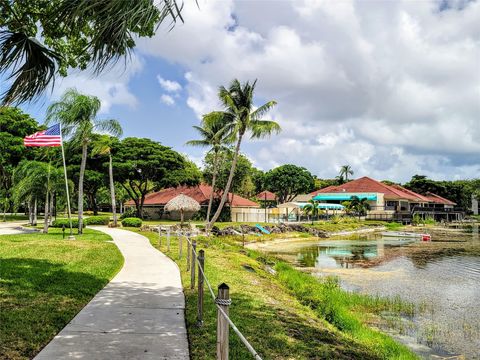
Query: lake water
x,y
441,277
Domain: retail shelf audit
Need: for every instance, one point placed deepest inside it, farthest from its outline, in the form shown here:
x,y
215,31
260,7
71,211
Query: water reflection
x,y
442,276
345,253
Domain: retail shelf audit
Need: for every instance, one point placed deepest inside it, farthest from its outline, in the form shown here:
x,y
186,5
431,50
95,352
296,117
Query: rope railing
x,y
221,302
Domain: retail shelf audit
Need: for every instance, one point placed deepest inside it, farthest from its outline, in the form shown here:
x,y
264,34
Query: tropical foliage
x,y
77,113
345,171
242,117
214,135
144,165
288,181
311,209
35,49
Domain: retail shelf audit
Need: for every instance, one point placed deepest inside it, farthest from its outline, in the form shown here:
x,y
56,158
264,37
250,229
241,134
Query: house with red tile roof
x,y
389,201
266,196
153,207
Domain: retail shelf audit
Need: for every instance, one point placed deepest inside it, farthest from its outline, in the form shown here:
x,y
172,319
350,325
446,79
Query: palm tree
x,y
345,170
311,208
213,131
103,146
361,206
242,117
35,179
77,113
76,34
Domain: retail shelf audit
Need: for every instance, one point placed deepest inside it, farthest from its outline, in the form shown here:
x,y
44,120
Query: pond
x,y
441,277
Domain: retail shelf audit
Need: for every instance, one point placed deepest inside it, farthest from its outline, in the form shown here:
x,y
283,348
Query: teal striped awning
x,y
344,196
323,206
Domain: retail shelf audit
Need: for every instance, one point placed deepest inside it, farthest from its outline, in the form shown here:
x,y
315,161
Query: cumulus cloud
x,y
391,88
169,85
111,86
167,100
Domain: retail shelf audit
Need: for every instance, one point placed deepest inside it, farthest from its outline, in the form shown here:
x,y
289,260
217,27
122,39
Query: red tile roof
x,y
369,185
324,190
416,196
266,195
200,193
439,200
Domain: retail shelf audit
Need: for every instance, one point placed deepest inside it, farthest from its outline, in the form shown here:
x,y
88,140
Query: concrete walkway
x,y
14,227
138,315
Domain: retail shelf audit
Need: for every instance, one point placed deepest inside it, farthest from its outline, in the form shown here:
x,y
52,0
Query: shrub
x,y
128,213
97,220
132,222
58,223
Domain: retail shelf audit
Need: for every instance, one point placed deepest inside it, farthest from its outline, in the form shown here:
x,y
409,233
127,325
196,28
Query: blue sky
x,y
391,88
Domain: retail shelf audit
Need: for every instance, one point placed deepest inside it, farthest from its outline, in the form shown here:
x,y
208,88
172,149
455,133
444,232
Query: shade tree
x,y
142,165
288,181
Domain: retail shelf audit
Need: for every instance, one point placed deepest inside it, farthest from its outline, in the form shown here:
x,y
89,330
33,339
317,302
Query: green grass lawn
x,y
45,281
280,322
17,217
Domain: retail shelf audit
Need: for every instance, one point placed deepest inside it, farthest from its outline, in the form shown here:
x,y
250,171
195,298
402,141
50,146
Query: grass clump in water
x,y
346,311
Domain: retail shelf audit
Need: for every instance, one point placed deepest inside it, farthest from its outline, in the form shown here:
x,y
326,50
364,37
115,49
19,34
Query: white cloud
x,y
111,86
169,85
167,100
391,88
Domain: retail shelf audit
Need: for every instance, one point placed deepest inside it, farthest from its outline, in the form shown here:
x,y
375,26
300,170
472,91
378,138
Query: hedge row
x,y
132,222
58,223
97,220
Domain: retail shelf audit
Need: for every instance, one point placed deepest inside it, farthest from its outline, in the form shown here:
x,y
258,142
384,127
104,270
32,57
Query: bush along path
x,y
138,315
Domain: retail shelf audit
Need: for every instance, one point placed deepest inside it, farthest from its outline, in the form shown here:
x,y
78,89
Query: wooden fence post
x,y
223,301
159,236
201,263
168,239
188,253
180,245
192,274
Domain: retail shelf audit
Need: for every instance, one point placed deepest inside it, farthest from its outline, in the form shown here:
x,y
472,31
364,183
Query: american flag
x,y
49,137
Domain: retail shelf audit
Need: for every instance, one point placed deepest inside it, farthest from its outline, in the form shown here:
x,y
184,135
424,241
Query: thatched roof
x,y
182,202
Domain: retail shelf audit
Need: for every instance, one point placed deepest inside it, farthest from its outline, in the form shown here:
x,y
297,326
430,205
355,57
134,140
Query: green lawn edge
x,y
280,322
45,281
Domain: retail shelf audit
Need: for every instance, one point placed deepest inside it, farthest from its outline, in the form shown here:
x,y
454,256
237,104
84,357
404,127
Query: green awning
x,y
344,196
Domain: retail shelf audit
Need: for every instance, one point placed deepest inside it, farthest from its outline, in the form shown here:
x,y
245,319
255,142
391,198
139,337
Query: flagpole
x,y
71,237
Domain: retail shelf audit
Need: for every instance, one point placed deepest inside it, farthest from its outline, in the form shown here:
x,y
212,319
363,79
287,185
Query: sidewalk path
x,y
138,315
15,227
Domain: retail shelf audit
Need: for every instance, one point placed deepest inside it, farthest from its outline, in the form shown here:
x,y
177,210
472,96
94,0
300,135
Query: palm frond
x,y
115,21
109,126
262,110
199,143
32,66
263,128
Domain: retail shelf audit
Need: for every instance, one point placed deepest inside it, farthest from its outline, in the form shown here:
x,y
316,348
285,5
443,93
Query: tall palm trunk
x,y
80,188
214,178
112,191
34,221
51,209
45,220
229,183
30,212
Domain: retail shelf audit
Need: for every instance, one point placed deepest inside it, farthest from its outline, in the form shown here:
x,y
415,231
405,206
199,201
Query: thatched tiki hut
x,y
182,203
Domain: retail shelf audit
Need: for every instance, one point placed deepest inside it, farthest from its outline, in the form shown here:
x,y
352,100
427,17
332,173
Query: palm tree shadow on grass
x,y
47,278
38,299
